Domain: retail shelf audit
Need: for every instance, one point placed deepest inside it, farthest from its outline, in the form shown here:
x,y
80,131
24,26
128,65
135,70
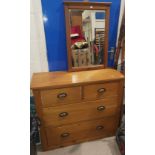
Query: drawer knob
x,y
63,114
100,108
101,90
65,135
100,127
61,95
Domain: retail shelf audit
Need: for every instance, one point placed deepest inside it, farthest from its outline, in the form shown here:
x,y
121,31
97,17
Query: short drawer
x,y
73,133
72,113
61,96
98,91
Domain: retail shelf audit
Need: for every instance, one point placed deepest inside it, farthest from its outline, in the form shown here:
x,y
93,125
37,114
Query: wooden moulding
x,y
86,6
70,3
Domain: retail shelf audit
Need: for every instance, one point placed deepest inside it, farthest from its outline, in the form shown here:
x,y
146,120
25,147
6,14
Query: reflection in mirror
x,y
87,37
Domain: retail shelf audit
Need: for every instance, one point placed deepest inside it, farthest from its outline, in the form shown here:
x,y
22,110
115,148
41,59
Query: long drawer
x,y
56,97
99,91
59,136
65,114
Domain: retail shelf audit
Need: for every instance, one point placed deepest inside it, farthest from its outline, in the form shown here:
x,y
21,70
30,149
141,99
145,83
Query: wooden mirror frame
x,y
86,6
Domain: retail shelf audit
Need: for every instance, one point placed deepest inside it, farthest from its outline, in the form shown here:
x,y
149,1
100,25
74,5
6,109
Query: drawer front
x,y
58,136
57,97
98,91
79,112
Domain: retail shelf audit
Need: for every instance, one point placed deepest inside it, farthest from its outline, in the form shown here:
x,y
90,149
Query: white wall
x,y
38,56
122,7
95,23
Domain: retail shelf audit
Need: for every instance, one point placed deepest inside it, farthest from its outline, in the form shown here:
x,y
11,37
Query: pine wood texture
x,y
63,79
79,112
86,6
71,106
72,133
97,4
56,97
99,91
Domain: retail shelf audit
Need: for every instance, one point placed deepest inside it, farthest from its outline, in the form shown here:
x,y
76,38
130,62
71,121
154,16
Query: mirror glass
x,y
87,37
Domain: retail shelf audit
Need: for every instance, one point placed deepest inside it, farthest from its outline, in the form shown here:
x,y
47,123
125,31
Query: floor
x,y
106,146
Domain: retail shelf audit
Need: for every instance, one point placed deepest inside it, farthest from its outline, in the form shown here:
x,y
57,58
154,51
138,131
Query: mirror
x,y
87,36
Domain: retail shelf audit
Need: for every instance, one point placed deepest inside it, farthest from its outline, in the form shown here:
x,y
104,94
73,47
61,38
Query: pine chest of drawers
x,y
74,107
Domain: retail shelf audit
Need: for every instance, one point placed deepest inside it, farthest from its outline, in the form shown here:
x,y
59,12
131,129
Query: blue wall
x,y
54,25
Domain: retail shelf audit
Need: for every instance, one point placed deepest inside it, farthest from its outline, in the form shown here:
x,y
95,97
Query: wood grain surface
x,y
74,132
71,106
79,112
55,97
46,80
99,91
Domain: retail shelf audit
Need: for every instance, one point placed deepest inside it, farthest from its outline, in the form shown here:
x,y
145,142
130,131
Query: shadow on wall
x,y
55,31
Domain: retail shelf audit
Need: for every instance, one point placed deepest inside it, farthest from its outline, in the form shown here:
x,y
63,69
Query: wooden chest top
x,y
63,79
